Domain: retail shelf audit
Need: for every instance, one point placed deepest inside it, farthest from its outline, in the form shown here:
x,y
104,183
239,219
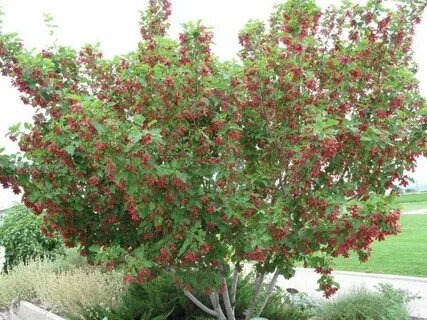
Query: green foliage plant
x,y
160,297
166,159
142,301
22,239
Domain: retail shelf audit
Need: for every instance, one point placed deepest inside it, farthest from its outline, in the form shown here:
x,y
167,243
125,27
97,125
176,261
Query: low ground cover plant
x,y
72,288
161,299
386,303
61,285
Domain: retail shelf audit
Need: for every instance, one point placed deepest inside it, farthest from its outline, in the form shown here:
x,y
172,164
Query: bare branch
x,y
198,303
258,284
226,298
269,291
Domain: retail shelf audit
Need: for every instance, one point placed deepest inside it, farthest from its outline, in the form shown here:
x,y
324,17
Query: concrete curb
x,y
371,275
28,311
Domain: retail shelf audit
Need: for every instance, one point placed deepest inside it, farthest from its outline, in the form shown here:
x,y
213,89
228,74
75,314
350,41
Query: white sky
x,y
114,24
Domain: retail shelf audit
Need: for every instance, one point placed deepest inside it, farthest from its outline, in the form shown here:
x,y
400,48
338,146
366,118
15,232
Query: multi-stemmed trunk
x,y
229,298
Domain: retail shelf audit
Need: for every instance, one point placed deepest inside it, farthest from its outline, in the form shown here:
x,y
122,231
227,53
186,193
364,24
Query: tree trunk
x,y
217,306
230,301
258,284
269,292
198,303
227,302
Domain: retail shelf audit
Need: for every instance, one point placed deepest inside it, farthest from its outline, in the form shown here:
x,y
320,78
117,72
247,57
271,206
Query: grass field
x,y
413,197
413,201
405,254
410,206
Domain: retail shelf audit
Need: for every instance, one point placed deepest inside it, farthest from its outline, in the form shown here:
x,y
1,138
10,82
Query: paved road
x,y
305,280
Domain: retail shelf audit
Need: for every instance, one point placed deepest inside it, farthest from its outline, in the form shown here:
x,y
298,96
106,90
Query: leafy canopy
x,y
167,159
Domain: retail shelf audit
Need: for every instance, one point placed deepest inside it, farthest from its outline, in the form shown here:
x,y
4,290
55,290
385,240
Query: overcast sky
x,y
114,24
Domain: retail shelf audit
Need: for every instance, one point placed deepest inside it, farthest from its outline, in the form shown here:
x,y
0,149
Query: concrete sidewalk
x,y
305,280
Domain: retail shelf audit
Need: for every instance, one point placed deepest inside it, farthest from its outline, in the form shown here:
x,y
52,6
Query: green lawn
x,y
405,254
413,201
413,197
409,206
